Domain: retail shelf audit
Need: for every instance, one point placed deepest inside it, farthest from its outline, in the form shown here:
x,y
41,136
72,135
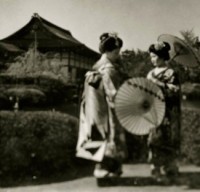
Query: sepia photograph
x,y
99,96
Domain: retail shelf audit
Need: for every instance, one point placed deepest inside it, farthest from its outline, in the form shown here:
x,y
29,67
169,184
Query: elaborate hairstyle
x,y
161,49
109,42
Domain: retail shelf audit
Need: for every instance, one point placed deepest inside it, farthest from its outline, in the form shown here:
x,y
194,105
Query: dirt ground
x,y
135,178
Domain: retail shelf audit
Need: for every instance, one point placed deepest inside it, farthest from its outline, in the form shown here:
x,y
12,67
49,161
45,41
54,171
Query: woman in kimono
x,y
98,121
164,141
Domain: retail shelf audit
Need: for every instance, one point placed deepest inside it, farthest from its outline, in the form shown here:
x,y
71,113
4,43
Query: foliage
x,y
33,64
183,73
34,71
137,63
47,91
190,144
189,37
36,144
193,41
191,91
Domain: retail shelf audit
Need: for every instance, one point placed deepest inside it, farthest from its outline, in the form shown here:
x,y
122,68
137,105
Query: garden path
x,y
135,178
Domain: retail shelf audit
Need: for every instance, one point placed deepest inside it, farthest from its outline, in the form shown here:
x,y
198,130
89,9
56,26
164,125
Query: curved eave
x,y
50,35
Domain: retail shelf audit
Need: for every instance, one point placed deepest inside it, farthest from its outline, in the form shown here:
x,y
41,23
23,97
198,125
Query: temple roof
x,y
47,36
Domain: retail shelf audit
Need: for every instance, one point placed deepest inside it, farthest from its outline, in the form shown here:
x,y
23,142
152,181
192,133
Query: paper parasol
x,y
139,105
180,51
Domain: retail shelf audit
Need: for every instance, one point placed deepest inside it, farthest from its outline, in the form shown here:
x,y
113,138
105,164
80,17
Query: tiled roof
x,y
47,35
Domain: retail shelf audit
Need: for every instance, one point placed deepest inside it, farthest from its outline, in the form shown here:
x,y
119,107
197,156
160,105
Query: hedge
x,y
40,144
190,140
190,144
36,144
55,91
191,91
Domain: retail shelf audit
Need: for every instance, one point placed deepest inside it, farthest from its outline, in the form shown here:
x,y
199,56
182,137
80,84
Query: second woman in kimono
x,y
164,141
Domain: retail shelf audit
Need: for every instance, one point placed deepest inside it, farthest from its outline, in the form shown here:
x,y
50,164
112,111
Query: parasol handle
x,y
177,54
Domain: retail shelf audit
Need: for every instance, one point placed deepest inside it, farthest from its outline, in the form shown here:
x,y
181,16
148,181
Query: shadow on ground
x,y
82,168
189,179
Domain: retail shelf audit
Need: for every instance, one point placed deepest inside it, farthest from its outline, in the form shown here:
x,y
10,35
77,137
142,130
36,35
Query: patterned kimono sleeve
x,y
149,75
170,77
110,82
116,146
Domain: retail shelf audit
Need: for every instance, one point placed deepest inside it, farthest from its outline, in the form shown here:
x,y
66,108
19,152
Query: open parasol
x,y
139,105
180,51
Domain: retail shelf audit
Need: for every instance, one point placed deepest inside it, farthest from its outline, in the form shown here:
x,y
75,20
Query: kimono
x,y
164,141
100,134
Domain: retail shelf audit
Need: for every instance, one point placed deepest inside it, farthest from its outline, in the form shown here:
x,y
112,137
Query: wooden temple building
x,y
58,44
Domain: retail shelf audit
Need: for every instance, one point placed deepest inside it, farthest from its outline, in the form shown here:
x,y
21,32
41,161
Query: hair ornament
x,y
159,45
114,35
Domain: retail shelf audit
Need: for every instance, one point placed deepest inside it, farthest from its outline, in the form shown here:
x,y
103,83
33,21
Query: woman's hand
x,y
159,83
173,87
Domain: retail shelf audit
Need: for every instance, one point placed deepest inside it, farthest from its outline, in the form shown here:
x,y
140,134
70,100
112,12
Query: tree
x,y
193,41
137,63
33,80
189,37
35,64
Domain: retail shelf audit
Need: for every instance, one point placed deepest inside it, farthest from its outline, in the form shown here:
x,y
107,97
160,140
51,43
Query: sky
x,y
137,22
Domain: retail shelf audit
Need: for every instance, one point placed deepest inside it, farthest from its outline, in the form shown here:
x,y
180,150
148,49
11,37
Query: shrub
x,y
190,144
42,145
191,90
35,91
36,144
